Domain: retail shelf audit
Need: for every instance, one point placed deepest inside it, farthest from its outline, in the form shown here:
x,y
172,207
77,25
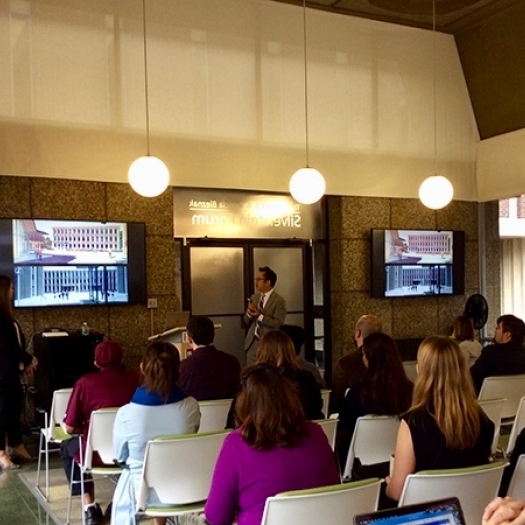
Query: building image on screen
x,y
418,262
69,262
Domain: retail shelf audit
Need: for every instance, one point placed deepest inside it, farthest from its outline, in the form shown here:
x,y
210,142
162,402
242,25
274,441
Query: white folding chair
x,y
325,395
517,427
517,482
511,387
179,469
99,439
330,429
52,434
493,409
473,486
334,504
373,441
214,414
410,370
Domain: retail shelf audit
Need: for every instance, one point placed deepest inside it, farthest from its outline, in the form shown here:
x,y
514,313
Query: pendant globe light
x,y
436,191
307,185
148,175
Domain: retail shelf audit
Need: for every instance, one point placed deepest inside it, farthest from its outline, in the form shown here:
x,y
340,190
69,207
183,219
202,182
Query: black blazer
x,y
11,352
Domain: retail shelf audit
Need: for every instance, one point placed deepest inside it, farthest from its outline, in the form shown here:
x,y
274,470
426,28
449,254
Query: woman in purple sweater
x,y
274,449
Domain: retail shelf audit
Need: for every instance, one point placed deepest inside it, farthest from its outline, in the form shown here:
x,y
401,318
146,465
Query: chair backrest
x,y
325,395
493,409
517,483
330,429
59,406
410,370
517,426
511,387
100,436
180,468
374,441
335,504
214,414
473,486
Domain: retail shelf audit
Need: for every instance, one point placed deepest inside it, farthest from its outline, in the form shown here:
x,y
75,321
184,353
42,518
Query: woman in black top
x,y
12,353
445,426
277,349
385,390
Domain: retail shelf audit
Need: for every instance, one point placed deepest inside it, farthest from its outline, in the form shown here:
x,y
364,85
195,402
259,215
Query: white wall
x,y
227,96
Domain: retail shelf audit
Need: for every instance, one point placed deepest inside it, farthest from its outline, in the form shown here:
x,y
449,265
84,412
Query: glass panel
x,y
319,271
216,280
230,336
288,265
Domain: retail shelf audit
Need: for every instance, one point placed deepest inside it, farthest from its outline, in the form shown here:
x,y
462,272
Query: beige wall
x,y
350,221
226,91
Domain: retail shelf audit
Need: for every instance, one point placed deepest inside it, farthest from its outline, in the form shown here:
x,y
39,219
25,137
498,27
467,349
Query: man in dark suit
x,y
208,373
266,311
350,369
505,356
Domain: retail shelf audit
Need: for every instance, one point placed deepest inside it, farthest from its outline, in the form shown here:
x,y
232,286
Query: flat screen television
x,y
72,263
409,263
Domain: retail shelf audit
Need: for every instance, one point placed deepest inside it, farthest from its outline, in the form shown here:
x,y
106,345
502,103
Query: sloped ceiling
x,y
490,36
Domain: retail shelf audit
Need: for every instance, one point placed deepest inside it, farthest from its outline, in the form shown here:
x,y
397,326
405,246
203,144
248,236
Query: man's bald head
x,y
366,325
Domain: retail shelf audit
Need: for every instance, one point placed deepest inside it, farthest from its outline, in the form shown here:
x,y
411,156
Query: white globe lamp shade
x,y
149,176
307,185
436,192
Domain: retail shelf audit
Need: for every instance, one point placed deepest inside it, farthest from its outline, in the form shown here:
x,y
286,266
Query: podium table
x,y
178,337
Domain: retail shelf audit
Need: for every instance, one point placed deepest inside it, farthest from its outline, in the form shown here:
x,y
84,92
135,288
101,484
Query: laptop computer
x,y
176,319
441,512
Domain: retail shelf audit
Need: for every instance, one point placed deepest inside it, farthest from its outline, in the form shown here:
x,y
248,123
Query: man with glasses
x,y
266,311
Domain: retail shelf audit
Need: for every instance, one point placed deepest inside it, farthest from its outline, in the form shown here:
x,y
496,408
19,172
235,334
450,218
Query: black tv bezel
x,y
378,264
136,260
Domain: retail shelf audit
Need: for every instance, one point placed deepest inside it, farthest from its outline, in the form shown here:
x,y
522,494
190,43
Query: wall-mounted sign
x,y
229,214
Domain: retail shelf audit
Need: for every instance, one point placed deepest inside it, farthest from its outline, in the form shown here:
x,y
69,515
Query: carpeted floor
x,y
56,506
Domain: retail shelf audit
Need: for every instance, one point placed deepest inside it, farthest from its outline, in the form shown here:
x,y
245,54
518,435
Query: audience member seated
x,y
508,511
208,373
445,427
298,336
385,390
274,449
276,348
505,356
463,333
111,386
350,369
158,407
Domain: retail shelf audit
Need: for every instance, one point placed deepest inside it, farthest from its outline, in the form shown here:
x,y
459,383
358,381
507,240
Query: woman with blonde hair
x,y
463,333
276,348
445,427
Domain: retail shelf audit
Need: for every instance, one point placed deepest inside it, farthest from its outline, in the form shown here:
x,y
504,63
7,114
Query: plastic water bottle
x,y
85,329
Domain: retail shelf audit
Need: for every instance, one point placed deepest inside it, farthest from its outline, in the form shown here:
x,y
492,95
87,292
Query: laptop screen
x,y
441,512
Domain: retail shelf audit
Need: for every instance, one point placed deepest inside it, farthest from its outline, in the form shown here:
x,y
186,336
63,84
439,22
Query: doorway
x,y
219,277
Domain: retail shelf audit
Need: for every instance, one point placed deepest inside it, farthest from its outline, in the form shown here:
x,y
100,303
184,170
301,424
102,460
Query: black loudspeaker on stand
x,y
62,359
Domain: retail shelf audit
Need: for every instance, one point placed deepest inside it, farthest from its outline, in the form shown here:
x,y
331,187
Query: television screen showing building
x,y
418,262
